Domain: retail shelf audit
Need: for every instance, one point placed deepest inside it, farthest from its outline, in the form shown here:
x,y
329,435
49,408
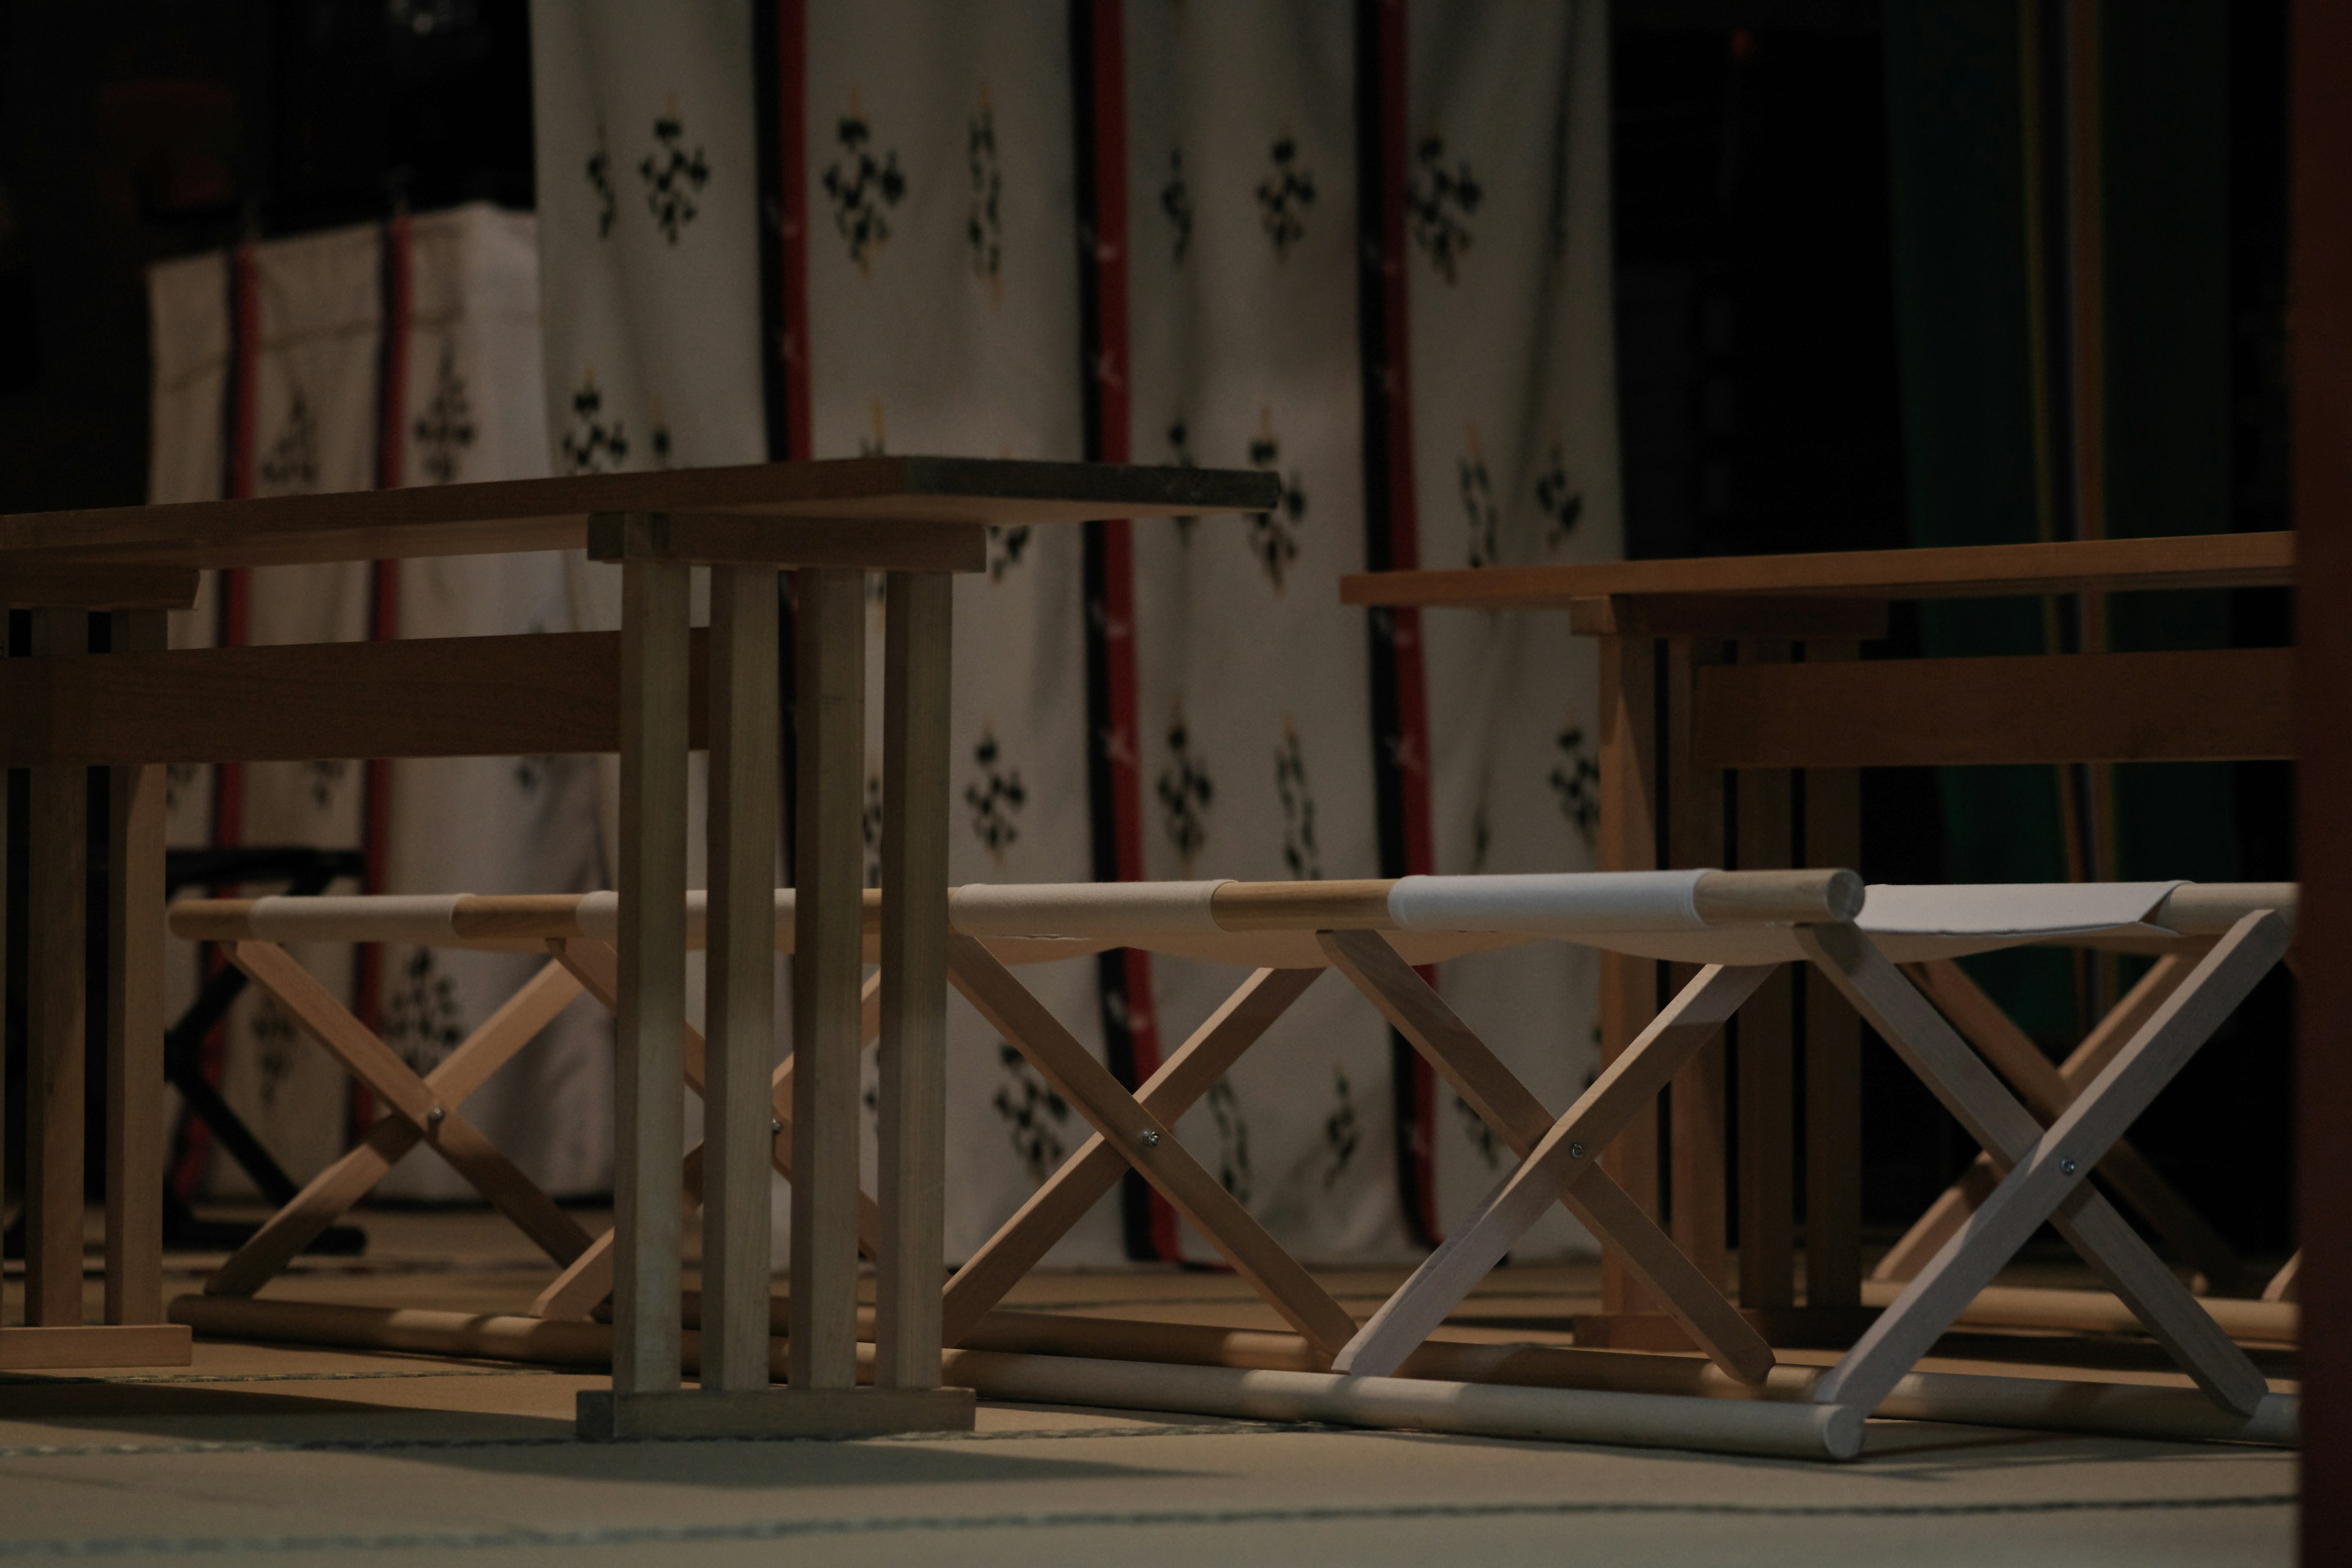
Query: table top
x,y
1974,571
554,513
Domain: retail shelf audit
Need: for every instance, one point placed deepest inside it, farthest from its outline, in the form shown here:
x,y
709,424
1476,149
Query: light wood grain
x,y
56,941
648,1088
1627,840
134,1019
93,1345
1344,905
1971,571
739,1009
829,871
1628,1086
552,514
2048,1089
911,1185
2212,703
2126,1018
316,1012
1500,1100
587,1281
1146,1143
329,1195
2050,1190
1064,1197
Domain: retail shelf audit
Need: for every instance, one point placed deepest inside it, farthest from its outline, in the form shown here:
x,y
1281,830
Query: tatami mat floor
x,y
300,1455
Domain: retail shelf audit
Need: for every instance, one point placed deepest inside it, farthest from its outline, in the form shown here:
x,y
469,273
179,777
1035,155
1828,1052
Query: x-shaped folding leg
x,y
2047,1171
583,1286
1567,1157
421,1109
1023,1241
1142,1139
1519,1119
2047,1090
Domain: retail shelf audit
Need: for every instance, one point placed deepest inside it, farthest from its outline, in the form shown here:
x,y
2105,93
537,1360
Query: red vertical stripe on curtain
x,y
1130,1024
792,145
1392,540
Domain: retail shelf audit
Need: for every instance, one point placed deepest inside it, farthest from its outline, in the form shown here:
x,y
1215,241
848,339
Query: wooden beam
x,y
739,1011
552,514
2212,704
134,1020
547,693
727,539
1956,572
1726,616
57,945
32,586
911,1120
649,1088
828,870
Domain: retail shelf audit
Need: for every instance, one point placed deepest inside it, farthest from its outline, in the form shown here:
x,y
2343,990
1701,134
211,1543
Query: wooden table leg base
x,y
608,1415
1783,1328
76,1345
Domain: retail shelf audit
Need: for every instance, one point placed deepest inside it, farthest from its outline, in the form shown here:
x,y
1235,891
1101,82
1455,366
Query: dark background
x,y
1760,343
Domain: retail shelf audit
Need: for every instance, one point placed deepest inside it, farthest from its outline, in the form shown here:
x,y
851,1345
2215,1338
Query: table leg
x,y
828,870
1832,1055
649,1090
134,1020
913,1133
1629,986
739,1017
1766,1045
1697,1107
56,941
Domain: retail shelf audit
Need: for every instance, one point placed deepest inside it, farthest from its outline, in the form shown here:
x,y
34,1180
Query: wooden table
x,y
1745,665
651,692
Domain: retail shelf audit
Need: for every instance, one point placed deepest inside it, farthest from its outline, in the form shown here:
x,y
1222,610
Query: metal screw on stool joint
x,y
2065,1165
1149,1137
435,1117
1576,1151
775,1127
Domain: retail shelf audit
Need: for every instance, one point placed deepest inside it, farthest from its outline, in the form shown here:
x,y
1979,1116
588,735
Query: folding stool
x,y
2045,1170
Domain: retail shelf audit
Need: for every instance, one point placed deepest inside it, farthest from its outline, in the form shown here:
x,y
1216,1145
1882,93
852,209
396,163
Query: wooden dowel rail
x,y
2156,1412
528,920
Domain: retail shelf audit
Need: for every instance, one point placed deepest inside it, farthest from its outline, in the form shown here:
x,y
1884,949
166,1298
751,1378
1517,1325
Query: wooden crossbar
x,y
2047,1170
2048,1089
1503,1103
421,1109
1064,1198
1147,1143
1568,1151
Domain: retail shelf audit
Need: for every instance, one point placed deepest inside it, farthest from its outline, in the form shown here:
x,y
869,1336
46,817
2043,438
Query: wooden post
x,y
1696,1111
1629,842
1766,1042
739,1015
912,1182
134,1019
1832,1054
829,872
650,1097
58,936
